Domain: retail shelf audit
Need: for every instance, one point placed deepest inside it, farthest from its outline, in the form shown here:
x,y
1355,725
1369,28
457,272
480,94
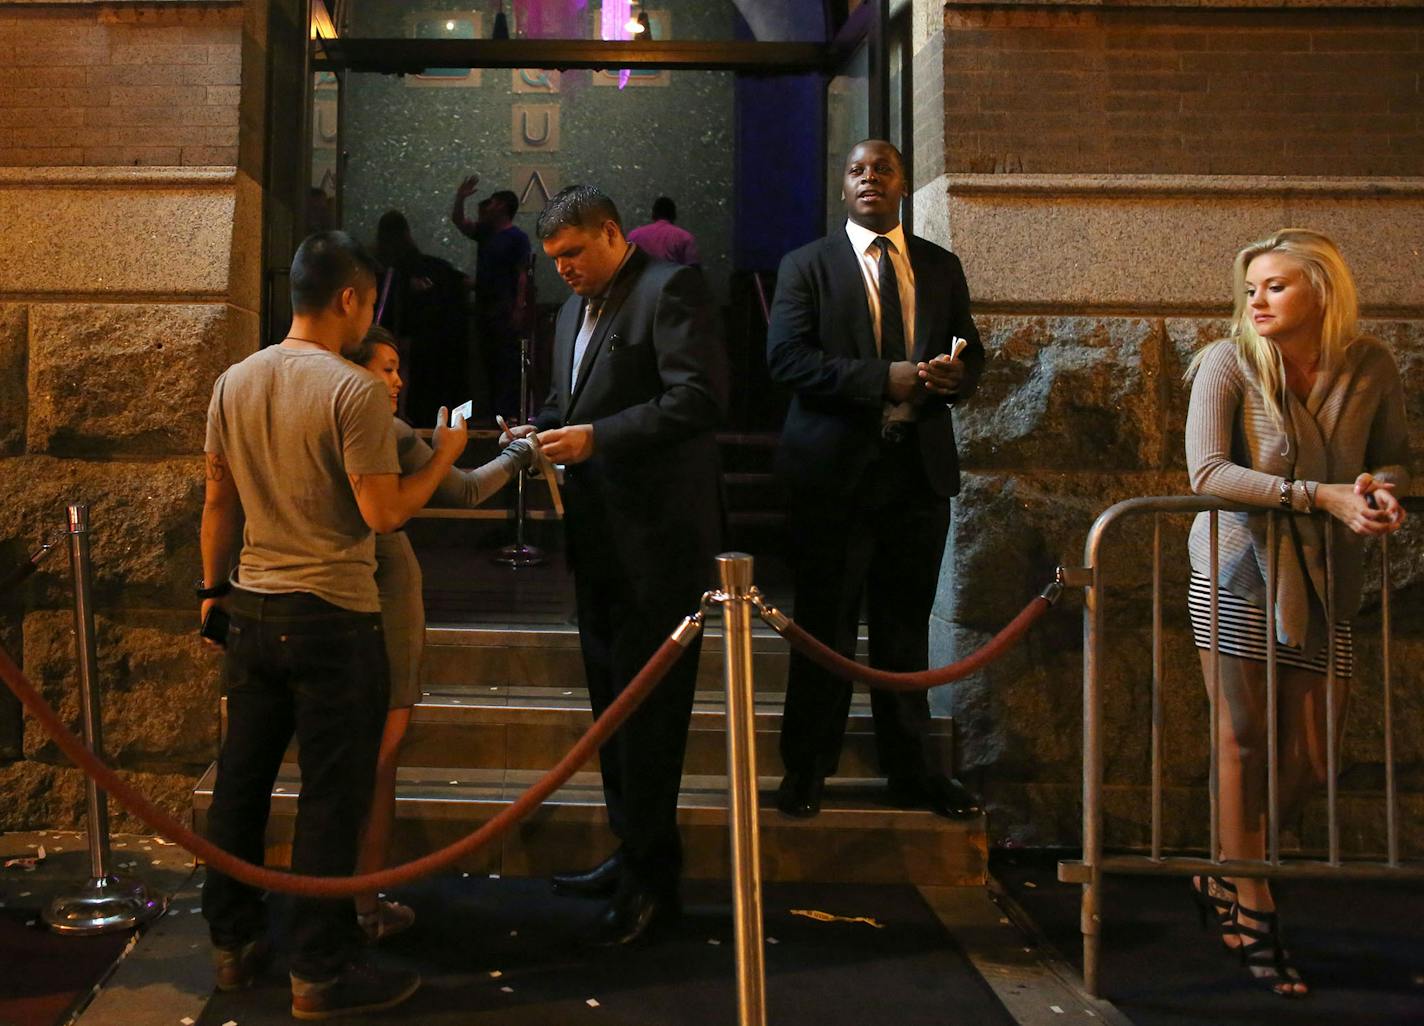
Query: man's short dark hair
x,y
576,206
664,209
508,200
324,264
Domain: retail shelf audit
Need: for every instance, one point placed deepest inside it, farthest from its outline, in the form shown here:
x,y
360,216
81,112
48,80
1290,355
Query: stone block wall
x,y
127,83
1092,287
109,345
1199,88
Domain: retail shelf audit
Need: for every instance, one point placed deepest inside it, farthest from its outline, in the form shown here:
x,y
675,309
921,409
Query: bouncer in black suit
x,y
639,384
863,330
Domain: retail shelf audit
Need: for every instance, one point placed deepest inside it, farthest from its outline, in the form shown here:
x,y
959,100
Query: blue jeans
x,y
297,664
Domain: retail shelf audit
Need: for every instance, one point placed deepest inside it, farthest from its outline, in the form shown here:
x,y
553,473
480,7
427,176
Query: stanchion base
x,y
106,904
519,555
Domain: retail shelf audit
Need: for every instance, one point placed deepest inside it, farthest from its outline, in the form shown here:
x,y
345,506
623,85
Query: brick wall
x,y
1175,91
153,84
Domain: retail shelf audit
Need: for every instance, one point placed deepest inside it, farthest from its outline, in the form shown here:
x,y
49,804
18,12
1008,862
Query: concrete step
x,y
856,838
499,654
530,728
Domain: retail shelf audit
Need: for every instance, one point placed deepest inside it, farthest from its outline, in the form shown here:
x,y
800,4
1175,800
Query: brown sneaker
x,y
361,987
389,919
237,967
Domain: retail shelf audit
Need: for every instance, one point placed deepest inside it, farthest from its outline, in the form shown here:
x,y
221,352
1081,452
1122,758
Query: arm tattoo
x,y
216,467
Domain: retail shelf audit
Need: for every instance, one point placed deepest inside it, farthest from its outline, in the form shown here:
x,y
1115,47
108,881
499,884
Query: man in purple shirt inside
x,y
663,239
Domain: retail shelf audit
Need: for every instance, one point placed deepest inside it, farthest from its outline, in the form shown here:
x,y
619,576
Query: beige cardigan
x,y
1352,422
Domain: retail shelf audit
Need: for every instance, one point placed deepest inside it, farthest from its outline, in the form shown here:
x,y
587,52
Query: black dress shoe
x,y
599,882
800,794
944,796
635,914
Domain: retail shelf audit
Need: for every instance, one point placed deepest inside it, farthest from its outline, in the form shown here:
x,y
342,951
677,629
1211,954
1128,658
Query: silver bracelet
x,y
1287,486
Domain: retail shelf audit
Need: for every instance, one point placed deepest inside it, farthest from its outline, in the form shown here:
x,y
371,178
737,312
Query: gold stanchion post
x,y
735,572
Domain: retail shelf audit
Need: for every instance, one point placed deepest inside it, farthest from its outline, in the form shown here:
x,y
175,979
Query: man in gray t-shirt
x,y
301,442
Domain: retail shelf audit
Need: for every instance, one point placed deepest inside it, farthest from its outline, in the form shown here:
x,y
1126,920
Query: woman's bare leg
x,y
375,843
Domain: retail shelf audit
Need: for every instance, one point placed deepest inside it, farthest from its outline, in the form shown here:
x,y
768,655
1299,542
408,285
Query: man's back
x,y
291,425
663,240
503,254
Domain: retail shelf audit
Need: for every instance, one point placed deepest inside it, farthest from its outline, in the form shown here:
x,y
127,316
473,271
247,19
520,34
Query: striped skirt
x,y
1242,628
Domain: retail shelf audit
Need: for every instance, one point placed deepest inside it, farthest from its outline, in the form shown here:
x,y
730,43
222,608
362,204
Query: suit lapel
x,y
566,331
849,286
926,300
622,285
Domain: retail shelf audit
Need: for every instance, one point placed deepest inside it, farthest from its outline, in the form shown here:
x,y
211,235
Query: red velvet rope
x,y
330,886
831,660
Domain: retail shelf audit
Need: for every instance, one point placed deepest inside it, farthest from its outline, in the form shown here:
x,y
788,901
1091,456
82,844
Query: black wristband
x,y
216,591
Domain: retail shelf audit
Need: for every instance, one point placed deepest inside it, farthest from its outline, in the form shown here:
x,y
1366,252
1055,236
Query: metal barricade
x,y
1095,863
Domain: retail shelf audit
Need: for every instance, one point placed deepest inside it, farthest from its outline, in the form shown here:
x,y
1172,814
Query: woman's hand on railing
x,y
1368,506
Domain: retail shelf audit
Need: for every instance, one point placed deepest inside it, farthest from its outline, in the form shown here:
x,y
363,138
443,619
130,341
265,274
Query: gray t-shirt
x,y
291,425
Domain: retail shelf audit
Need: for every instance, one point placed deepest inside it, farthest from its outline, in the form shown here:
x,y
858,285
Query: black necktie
x,y
892,318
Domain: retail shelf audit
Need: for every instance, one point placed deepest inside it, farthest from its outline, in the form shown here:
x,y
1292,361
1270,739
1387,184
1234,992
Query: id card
x,y
465,409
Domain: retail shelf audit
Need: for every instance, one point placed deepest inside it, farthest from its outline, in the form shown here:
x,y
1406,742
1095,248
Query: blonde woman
x,y
398,582
1299,412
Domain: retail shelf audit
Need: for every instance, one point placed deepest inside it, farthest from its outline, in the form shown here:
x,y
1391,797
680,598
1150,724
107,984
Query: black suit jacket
x,y
653,383
821,344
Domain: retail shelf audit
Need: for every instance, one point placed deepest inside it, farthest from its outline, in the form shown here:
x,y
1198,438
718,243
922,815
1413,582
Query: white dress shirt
x,y
862,241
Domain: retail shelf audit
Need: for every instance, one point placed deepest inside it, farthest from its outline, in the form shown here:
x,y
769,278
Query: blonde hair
x,y
1334,287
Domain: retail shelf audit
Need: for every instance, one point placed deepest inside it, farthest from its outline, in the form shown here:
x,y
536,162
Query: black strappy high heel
x,y
1262,954
1213,906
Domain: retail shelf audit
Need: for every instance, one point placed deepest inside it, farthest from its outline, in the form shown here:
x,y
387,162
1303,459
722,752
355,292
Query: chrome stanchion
x,y
106,903
735,572
521,554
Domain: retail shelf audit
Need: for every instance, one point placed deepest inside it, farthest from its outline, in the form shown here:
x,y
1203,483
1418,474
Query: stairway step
x,y
854,839
550,656
524,728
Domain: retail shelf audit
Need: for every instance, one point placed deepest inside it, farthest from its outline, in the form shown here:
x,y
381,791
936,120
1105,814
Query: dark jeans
x,y
883,544
296,663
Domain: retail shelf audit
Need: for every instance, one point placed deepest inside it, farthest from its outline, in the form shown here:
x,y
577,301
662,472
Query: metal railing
x,y
1095,863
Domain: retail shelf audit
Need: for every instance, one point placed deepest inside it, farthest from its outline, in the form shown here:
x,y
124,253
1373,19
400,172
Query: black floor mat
x,y
823,973
1359,945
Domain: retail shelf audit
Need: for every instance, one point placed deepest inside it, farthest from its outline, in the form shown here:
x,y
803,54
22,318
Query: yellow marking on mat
x,y
826,917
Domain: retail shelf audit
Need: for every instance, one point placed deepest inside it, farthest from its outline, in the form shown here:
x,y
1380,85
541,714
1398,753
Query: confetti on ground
x,y
1055,1009
1030,883
194,911
826,917
454,782
25,894
714,942
772,940
40,853
496,974
514,933
29,922
187,1020
592,1002
1004,920
506,990
494,876
465,875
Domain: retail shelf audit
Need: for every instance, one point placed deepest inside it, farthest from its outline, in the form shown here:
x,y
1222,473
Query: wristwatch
x,y
216,591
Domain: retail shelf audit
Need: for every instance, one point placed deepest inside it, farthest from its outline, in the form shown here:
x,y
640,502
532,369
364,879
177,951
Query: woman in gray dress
x,y
398,581
1298,411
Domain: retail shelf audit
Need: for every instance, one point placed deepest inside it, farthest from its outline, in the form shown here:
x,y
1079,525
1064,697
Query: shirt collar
x,y
861,238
